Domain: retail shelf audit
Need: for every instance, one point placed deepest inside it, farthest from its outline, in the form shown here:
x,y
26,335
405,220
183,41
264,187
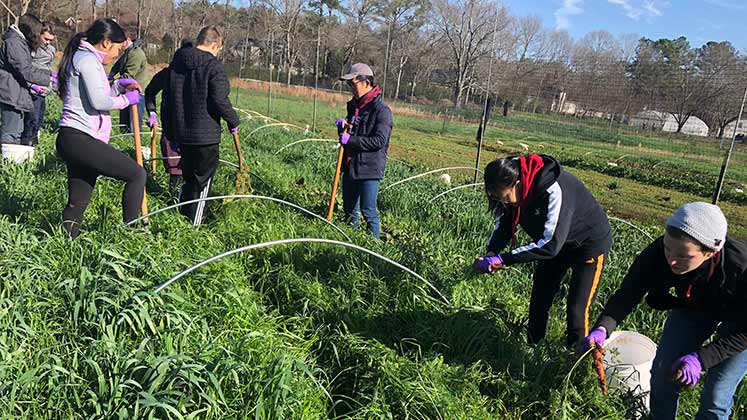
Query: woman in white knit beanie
x,y
707,271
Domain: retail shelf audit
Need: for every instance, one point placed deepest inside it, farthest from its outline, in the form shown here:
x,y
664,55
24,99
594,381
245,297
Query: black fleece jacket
x,y
722,296
560,215
195,98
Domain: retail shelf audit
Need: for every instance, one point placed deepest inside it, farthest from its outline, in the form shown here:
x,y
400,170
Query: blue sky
x,y
699,20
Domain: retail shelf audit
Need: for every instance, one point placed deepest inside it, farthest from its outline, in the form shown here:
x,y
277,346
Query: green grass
x,y
302,331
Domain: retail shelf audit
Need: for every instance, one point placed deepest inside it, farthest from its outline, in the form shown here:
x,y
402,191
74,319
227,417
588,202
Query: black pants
x,y
86,159
585,277
198,167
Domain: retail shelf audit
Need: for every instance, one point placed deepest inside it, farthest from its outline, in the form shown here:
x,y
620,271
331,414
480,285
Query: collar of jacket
x,y
15,28
86,46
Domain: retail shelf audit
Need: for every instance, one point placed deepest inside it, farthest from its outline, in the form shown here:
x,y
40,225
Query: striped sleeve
x,y
501,233
556,228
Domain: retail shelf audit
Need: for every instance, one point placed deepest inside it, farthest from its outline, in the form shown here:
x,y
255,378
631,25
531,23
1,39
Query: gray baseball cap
x,y
357,69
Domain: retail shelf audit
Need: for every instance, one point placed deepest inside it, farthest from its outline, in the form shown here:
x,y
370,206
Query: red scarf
x,y
360,104
529,168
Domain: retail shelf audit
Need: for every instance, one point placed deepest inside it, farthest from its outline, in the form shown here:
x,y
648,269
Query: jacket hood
x,y
13,32
189,58
547,175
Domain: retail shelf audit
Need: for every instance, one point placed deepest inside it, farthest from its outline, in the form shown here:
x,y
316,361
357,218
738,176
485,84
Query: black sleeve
x,y
218,90
380,137
557,225
635,285
722,348
501,235
154,87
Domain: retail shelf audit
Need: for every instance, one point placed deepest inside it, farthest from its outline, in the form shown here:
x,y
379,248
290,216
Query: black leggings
x,y
86,159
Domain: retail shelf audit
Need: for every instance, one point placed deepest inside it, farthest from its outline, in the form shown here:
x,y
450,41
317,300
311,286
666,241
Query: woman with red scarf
x,y
365,134
568,230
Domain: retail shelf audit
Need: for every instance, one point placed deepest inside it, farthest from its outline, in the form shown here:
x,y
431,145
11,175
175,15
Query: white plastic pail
x,y
627,359
17,153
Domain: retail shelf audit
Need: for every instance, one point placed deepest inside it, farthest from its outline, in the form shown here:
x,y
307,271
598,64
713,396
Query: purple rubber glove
x,y
344,138
126,82
133,97
687,370
235,130
53,77
38,89
486,264
595,338
110,78
152,120
340,123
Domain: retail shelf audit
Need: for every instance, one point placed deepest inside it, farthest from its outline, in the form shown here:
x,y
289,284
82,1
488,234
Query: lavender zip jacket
x,y
89,98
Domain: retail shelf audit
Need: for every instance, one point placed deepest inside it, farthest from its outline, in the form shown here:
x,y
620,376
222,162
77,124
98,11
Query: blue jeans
x,y
33,121
12,124
684,332
361,196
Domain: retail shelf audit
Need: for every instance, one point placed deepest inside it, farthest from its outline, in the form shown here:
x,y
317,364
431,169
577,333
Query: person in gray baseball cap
x,y
707,271
364,133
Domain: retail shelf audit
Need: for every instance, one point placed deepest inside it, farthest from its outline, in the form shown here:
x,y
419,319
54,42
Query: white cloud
x,y
729,4
564,13
643,9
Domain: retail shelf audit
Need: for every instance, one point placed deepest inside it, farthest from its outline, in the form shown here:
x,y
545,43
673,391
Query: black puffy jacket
x,y
369,142
195,98
17,73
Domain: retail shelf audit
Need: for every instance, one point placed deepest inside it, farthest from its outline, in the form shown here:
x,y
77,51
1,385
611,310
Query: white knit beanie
x,y
703,221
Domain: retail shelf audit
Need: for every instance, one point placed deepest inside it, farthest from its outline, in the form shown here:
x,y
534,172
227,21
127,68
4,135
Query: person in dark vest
x,y
569,230
364,133
699,274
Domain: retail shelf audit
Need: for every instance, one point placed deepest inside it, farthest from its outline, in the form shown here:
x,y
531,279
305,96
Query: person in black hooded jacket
x,y
194,100
568,229
699,274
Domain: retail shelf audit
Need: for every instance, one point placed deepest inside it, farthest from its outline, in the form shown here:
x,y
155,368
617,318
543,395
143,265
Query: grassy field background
x,y
296,331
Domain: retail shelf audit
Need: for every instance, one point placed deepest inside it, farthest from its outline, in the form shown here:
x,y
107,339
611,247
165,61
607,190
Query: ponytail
x,y
100,30
64,70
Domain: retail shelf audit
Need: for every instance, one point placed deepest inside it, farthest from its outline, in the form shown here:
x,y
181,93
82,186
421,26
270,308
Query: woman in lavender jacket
x,y
85,126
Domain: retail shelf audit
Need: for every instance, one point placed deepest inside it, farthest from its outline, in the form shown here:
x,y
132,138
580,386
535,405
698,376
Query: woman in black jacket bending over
x,y
698,274
568,229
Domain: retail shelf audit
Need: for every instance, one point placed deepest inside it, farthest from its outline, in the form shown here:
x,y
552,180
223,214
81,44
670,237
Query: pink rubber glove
x,y
595,338
152,120
344,138
687,370
133,97
487,264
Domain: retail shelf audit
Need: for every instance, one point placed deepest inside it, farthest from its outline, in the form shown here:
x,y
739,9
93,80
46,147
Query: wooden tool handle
x,y
138,151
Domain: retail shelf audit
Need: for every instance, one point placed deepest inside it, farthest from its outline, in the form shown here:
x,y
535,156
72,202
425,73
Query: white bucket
x,y
627,359
146,152
17,153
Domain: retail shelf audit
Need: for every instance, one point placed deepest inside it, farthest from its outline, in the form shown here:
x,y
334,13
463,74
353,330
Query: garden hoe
x,y
243,183
139,155
153,165
336,181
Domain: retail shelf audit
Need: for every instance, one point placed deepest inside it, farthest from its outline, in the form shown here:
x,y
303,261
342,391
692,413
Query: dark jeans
x,y
198,167
86,159
33,121
548,274
124,115
685,331
12,125
361,195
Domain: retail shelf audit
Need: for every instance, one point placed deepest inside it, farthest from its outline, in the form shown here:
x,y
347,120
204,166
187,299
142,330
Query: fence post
x,y
722,174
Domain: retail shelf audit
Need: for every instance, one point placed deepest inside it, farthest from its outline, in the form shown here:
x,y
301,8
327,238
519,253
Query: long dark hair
x,y
499,175
100,30
31,28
